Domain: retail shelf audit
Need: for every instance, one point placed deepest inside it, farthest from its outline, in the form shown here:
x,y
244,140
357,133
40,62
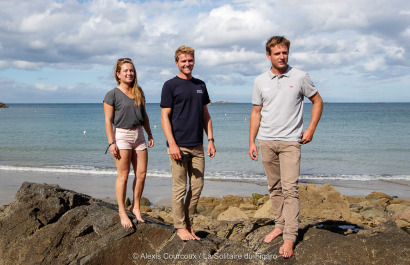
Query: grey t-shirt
x,y
126,114
281,97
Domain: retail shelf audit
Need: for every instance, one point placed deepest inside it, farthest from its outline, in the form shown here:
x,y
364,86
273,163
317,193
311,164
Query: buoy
x,y
84,132
155,126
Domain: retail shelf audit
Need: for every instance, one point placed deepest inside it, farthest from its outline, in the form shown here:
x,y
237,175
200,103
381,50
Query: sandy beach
x,y
158,190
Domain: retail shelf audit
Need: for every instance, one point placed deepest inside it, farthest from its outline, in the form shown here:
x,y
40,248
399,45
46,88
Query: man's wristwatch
x,y
211,139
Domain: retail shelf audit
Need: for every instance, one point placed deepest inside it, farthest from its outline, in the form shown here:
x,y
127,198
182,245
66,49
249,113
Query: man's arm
x,y
317,108
174,150
209,132
253,130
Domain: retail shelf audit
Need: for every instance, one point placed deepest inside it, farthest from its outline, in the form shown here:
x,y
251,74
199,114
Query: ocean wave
x,y
65,169
354,177
222,175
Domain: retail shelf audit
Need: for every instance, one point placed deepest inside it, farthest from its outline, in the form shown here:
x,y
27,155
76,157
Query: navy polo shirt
x,y
186,98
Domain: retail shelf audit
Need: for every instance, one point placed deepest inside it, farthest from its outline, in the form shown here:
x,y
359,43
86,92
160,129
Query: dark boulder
x,y
46,224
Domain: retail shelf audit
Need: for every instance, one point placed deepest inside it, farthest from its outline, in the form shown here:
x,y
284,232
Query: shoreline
x,y
158,190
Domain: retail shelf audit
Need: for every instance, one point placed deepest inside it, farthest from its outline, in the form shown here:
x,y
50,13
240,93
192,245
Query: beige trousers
x,y
184,202
281,162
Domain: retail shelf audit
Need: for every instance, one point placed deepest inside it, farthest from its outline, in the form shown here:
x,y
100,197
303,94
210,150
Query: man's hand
x,y
253,151
307,136
175,152
211,149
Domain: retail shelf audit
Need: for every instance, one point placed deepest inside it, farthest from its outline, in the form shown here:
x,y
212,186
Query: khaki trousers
x,y
281,162
184,202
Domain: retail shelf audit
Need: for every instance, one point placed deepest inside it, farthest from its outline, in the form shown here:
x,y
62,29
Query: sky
x,y
64,51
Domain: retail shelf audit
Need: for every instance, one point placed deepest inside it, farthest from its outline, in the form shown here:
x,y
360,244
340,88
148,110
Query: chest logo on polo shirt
x,y
199,91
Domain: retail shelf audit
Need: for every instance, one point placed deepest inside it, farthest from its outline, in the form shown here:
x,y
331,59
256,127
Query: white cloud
x,y
3,65
405,12
25,65
360,37
227,26
214,57
46,87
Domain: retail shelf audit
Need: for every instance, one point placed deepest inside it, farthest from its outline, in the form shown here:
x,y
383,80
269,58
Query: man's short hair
x,y
184,50
277,40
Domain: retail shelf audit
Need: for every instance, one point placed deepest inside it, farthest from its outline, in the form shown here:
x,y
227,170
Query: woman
x,y
124,107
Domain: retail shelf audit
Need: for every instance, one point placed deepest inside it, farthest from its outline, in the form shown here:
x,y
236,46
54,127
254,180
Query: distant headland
x,y
223,102
2,105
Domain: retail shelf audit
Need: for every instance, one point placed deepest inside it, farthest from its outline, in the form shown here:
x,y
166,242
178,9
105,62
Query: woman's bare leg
x,y
123,169
139,163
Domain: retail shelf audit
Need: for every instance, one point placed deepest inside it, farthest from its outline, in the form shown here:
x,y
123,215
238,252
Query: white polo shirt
x,y
281,97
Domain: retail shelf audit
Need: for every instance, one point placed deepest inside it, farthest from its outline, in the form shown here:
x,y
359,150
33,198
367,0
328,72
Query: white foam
x,y
225,175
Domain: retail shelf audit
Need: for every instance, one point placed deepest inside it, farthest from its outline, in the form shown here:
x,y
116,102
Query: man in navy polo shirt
x,y
184,117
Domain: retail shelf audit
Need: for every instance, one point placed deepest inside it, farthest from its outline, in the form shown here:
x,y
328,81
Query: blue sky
x,y
64,51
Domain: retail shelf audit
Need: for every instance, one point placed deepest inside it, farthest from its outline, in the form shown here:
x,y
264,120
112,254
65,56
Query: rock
x,y
2,105
265,211
324,202
145,209
218,210
383,201
375,247
257,196
49,225
145,202
403,215
207,204
352,199
127,202
403,202
373,213
378,195
232,214
166,217
248,207
262,200
231,200
393,209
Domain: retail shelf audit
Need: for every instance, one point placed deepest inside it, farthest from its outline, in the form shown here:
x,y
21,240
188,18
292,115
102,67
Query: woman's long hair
x,y
136,90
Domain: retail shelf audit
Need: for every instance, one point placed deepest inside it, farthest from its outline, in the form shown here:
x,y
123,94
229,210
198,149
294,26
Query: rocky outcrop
x,y
49,225
2,105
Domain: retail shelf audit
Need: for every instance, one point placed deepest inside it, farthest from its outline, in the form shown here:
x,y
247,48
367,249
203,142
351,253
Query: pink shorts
x,y
130,138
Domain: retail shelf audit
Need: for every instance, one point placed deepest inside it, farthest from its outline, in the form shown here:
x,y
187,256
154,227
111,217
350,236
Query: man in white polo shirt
x,y
276,118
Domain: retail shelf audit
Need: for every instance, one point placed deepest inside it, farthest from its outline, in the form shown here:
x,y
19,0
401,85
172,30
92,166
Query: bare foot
x,y
137,214
125,220
286,250
191,229
272,235
184,234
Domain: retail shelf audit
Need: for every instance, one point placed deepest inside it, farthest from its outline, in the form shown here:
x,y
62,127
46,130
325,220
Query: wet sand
x,y
158,190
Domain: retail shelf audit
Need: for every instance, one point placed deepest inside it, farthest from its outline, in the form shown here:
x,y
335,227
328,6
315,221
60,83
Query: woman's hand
x,y
115,151
150,141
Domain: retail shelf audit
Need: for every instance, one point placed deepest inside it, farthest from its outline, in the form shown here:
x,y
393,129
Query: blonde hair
x,y
184,50
136,90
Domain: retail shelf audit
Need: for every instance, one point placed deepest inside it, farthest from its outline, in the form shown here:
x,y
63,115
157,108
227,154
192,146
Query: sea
x,y
354,142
